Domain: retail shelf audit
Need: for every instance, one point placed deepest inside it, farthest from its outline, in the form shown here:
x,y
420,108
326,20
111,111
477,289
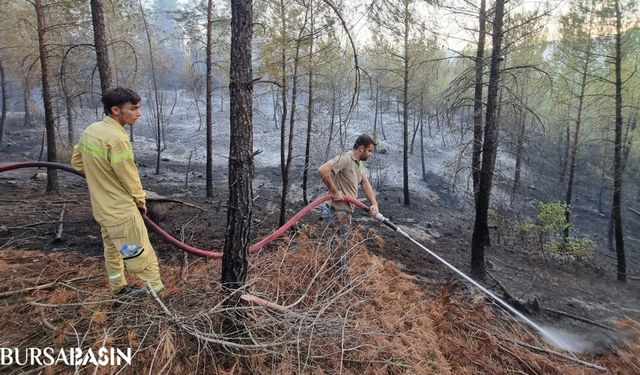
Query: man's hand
x,y
337,196
373,210
143,210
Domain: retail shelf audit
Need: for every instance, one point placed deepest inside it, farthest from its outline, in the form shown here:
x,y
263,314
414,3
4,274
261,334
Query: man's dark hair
x,y
364,140
118,96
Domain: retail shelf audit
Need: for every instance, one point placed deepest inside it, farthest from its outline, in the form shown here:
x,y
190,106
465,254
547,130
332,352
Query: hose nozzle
x,y
386,221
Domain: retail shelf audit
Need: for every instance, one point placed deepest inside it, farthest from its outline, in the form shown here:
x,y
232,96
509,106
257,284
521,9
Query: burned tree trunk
x,y
26,93
480,237
332,120
52,174
519,154
405,112
102,53
283,120
566,145
292,121
375,112
574,145
3,87
209,100
422,161
307,149
477,99
617,157
70,125
156,92
236,243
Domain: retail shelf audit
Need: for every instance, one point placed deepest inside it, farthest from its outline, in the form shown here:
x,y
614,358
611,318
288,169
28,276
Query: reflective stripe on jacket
x,y
105,155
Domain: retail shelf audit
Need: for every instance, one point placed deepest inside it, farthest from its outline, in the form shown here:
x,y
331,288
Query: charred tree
x,y
477,98
405,112
70,126
384,135
375,112
575,141
156,96
566,145
292,121
239,212
102,53
286,183
519,153
3,87
422,161
307,148
26,96
283,119
209,100
480,237
332,121
617,157
52,174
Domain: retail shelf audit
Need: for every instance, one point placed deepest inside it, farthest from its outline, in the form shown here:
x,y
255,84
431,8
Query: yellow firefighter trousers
x,y
144,266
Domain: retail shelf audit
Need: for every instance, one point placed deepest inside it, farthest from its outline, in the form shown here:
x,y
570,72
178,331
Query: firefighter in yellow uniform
x,y
104,154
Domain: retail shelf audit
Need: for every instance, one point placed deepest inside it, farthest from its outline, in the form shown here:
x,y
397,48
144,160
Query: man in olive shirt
x,y
105,156
342,175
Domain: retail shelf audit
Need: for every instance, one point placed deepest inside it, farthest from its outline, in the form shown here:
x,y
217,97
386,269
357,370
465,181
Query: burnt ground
x,y
587,289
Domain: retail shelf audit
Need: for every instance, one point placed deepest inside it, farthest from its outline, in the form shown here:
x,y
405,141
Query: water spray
x,y
552,338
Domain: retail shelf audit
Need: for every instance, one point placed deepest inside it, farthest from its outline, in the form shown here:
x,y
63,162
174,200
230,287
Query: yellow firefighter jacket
x,y
105,156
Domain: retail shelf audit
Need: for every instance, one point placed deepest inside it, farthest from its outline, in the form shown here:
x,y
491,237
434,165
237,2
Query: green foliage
x,y
581,248
433,199
542,234
500,219
526,228
551,217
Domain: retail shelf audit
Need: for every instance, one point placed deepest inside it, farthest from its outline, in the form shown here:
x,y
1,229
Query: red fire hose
x,y
176,242
253,248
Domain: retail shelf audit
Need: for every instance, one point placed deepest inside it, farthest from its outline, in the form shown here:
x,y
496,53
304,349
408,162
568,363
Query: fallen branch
x,y
48,324
60,224
513,301
26,226
205,336
557,354
259,80
13,201
634,211
263,302
163,199
43,286
33,224
585,320
58,305
633,239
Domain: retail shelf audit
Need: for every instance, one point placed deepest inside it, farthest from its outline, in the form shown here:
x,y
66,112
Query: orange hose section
x,y
255,247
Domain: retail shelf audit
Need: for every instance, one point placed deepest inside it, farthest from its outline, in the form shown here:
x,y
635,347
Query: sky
x,y
451,27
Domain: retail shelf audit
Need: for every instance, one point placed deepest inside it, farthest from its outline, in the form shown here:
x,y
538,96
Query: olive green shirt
x,y
348,173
